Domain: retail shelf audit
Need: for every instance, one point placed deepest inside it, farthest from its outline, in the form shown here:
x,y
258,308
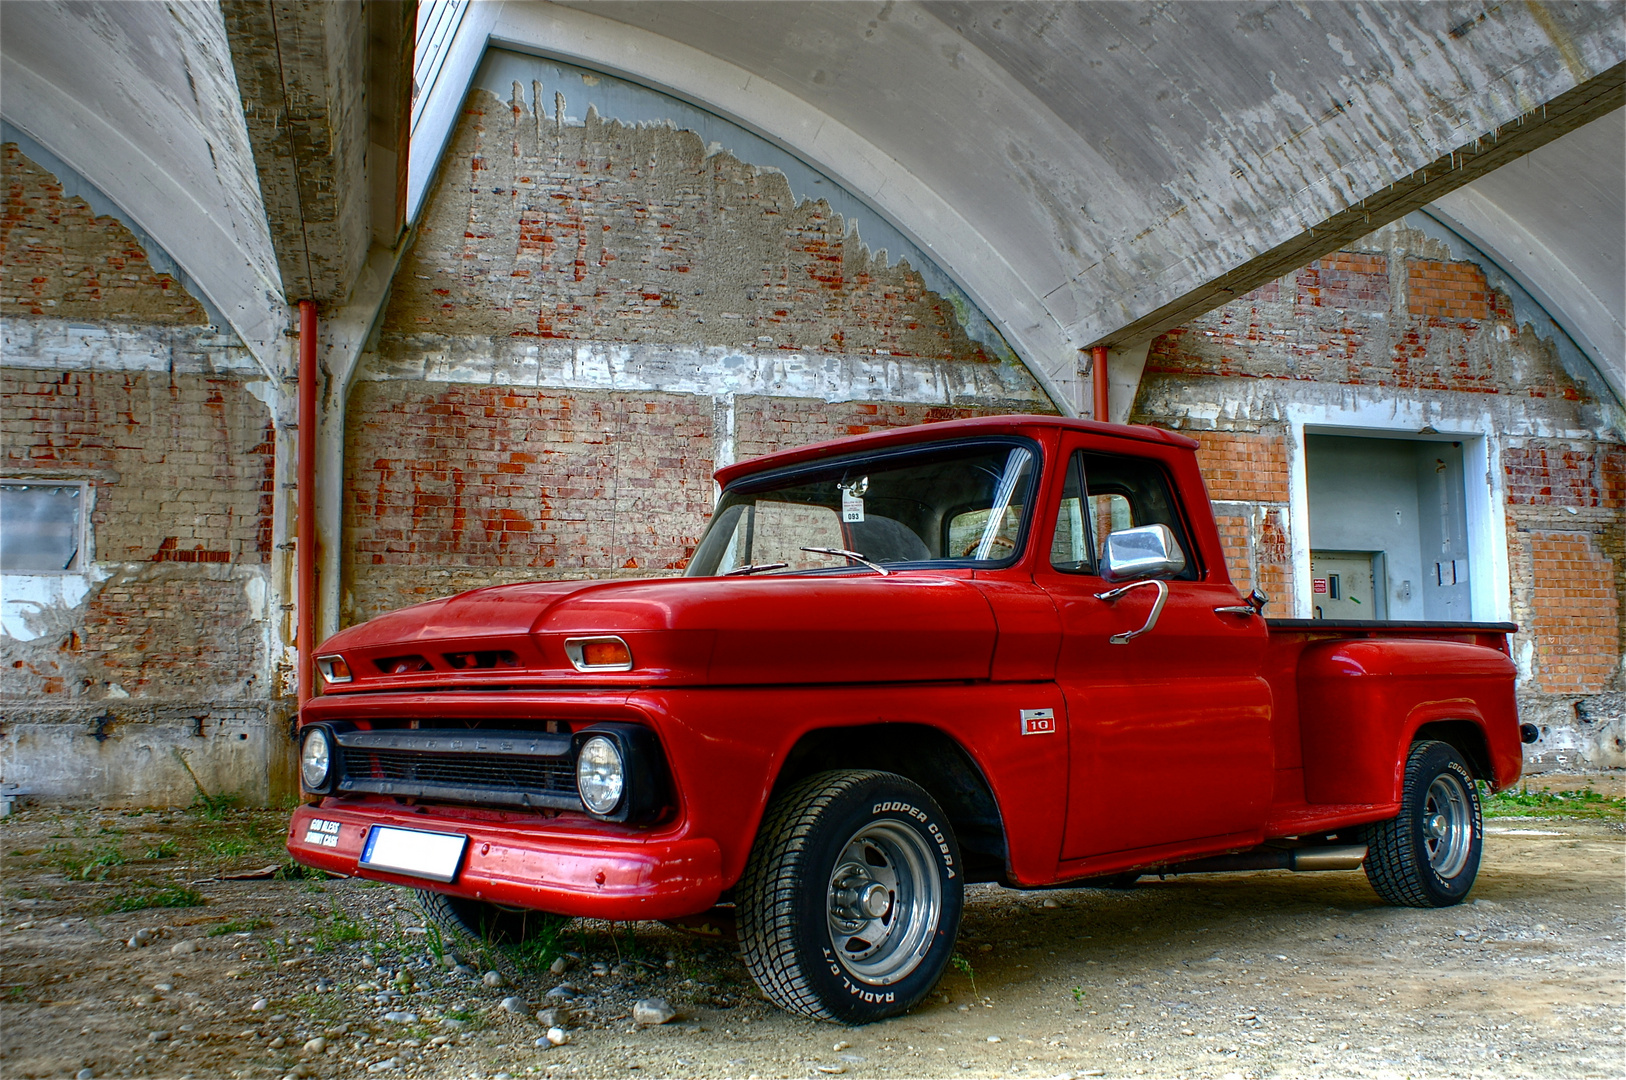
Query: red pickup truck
x,y
1001,649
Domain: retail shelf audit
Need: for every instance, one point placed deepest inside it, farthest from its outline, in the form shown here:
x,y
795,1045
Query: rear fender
x,y
1363,701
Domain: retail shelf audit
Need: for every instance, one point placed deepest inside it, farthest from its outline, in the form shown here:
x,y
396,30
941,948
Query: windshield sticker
x,y
852,500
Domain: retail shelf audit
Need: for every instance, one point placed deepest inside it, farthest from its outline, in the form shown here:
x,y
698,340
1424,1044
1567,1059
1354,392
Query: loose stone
x,y
259,1005
493,979
317,1045
559,966
401,1017
277,1043
84,1074
556,1017
157,1036
184,948
1051,903
652,1011
562,992
557,1036
515,1005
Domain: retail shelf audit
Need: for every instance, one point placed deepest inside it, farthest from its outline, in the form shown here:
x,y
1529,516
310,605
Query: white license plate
x,y
432,855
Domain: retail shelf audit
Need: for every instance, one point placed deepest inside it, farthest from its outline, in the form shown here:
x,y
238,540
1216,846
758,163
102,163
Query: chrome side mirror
x,y
1150,551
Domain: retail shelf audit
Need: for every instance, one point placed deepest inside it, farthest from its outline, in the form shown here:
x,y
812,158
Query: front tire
x,y
1428,854
850,903
476,923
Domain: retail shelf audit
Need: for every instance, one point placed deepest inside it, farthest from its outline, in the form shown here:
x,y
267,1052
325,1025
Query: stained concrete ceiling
x,y
1088,173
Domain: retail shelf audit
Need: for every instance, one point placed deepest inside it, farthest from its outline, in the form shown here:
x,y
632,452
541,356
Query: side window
x,y
1117,493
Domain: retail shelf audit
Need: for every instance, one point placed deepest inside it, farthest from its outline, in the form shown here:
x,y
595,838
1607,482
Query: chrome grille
x,y
498,768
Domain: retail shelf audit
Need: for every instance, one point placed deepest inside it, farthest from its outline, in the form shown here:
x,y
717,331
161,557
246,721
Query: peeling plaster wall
x,y
164,645
595,316
1401,334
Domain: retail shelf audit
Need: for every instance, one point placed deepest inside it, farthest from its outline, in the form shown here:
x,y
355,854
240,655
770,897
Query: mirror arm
x,y
1151,620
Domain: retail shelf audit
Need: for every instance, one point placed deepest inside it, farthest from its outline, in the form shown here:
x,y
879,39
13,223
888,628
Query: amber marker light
x,y
333,669
599,654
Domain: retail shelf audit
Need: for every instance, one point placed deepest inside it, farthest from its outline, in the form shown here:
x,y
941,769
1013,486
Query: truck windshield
x,y
959,504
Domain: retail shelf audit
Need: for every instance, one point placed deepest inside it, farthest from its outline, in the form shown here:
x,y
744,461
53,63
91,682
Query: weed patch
x,y
173,896
1585,804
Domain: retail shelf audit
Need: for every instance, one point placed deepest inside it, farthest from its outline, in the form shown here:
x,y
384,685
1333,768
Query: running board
x,y
1343,857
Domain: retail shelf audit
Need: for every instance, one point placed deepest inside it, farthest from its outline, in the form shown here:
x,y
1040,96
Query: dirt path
x,y
1246,975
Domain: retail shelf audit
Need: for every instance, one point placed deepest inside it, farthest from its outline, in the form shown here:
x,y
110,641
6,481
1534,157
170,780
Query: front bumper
x,y
575,869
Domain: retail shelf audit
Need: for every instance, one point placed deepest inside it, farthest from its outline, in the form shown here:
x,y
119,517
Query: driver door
x,y
1169,732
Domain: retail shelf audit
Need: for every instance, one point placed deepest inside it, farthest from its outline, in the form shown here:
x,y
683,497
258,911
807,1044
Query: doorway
x,y
1388,528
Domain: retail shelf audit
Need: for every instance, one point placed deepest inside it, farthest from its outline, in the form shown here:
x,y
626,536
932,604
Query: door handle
x,y
1151,620
1236,609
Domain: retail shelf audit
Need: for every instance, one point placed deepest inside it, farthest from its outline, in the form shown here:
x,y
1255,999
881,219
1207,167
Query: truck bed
x,y
1349,695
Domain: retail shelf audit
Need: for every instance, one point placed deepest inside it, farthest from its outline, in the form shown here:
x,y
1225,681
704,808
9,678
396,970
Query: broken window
x,y
42,526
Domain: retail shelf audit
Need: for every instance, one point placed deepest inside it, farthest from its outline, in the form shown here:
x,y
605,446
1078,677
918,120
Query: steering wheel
x,y
999,541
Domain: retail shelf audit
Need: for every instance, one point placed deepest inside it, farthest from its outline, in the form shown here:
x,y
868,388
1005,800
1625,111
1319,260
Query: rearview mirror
x,y
1150,551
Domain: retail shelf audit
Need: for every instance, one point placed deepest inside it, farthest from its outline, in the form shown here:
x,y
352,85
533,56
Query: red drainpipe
x,y
1098,372
305,594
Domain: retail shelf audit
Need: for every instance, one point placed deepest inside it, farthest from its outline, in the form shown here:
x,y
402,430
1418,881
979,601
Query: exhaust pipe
x,y
1343,857
1348,857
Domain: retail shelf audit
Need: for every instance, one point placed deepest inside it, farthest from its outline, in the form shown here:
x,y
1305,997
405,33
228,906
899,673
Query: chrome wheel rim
x,y
1448,825
883,902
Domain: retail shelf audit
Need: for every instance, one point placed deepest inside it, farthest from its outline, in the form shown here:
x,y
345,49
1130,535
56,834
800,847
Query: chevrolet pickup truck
x,y
1002,649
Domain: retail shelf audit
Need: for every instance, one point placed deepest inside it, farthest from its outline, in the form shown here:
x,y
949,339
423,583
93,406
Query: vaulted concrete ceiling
x,y
1094,173
1087,172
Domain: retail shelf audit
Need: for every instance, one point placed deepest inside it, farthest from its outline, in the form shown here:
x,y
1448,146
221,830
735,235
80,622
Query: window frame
x,y
1195,570
82,556
754,482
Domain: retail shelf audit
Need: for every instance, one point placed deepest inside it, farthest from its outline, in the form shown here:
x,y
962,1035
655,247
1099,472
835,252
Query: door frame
x,y
1489,593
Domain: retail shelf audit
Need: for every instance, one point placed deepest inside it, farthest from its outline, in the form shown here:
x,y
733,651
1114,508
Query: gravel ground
x,y
1238,975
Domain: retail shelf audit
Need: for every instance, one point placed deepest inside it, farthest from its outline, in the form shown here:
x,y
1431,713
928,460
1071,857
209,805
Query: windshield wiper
x,y
755,568
853,555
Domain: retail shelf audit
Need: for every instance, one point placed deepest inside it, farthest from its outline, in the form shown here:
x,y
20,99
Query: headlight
x,y
316,759
601,775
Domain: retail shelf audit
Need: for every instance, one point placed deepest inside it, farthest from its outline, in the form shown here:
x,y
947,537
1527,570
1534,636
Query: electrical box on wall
x,y
1348,585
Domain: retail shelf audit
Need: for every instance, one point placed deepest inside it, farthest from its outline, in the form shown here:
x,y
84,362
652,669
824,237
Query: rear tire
x,y
1428,854
850,903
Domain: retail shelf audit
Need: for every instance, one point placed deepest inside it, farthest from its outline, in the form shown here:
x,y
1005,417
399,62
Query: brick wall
x,y
1575,603
58,259
1370,319
164,642
604,232
182,464
766,424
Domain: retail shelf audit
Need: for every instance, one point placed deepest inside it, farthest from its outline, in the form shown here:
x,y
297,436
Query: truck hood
x,y
908,626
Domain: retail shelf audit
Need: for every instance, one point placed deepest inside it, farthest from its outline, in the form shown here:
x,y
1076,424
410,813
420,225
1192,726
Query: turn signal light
x,y
333,669
599,654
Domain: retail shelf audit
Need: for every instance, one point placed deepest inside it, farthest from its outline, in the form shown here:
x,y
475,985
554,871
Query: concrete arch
x,y
160,131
